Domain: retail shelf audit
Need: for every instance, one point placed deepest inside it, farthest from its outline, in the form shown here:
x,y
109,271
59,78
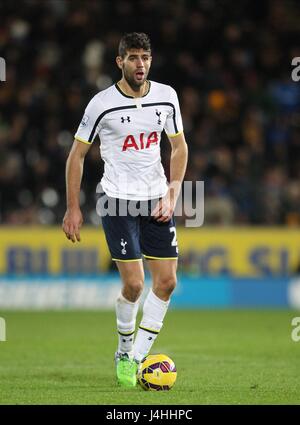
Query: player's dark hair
x,y
134,40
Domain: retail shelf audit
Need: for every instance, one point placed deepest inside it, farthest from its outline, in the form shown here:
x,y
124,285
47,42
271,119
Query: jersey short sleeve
x,y
173,125
89,126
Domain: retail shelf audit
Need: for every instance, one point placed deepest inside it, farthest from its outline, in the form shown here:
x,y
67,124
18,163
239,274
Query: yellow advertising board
x,y
240,251
245,251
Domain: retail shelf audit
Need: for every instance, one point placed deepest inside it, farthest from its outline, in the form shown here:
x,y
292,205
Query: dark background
x,y
230,63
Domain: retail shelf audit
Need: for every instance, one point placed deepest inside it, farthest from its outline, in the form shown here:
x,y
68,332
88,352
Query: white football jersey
x,y
130,132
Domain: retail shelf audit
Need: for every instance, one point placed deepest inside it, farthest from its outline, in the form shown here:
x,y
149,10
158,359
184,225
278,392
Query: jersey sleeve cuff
x,y
82,140
174,135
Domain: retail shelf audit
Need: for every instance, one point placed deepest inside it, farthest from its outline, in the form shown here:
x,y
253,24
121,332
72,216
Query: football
x,y
157,373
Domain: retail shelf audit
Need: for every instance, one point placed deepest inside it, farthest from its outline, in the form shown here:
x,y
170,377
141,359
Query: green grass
x,y
222,357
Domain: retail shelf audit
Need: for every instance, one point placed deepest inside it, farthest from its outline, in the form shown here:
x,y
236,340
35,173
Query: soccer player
x,y
129,118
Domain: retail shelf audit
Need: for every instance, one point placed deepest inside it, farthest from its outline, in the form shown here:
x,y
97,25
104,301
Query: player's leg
x,y
132,276
164,277
159,247
156,305
122,235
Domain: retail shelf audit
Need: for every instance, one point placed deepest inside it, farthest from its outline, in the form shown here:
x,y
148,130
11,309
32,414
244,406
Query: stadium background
x,y
230,63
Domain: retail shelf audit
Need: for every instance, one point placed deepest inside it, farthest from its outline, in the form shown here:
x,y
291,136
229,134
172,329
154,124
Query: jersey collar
x,y
132,97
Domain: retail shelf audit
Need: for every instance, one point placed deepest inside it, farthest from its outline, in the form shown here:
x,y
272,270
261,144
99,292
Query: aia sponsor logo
x,y
141,142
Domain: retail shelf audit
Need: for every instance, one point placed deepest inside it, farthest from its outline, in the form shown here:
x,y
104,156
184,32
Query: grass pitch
x,y
222,357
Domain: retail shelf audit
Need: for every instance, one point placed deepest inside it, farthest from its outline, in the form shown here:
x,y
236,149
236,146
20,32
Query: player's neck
x,y
131,91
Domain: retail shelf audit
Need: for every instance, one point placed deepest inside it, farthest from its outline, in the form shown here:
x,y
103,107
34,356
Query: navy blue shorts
x,y
129,236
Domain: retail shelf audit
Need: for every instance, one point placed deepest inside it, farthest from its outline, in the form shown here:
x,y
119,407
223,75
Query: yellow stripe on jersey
x,y
176,134
82,140
126,261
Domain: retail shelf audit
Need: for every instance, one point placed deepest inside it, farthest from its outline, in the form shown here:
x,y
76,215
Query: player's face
x,y
135,66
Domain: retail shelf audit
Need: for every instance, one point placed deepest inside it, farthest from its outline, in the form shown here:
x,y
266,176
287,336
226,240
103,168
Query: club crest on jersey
x,y
143,142
123,244
158,114
125,119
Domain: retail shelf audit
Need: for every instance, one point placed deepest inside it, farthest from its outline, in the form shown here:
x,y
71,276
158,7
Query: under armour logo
x,y
158,114
125,119
123,244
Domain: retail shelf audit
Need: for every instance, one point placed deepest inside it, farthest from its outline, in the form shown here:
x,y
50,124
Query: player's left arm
x,y
164,209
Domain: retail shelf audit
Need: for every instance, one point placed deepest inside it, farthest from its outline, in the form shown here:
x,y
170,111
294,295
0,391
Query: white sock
x,y
126,312
154,311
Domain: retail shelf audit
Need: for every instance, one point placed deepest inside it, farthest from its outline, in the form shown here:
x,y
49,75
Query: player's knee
x,y
167,284
133,289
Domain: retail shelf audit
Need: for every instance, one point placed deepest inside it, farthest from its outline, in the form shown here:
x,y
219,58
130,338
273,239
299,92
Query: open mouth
x,y
139,75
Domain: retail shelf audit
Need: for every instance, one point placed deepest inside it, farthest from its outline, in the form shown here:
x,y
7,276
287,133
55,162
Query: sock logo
x,y
123,244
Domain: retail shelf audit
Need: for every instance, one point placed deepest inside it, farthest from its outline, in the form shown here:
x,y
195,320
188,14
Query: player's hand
x,y
71,224
164,209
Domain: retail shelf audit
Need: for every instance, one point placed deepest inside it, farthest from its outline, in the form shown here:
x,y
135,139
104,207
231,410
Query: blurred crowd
x,y
230,63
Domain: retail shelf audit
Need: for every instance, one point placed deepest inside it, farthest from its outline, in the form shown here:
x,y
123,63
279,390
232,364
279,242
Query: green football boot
x,y
126,370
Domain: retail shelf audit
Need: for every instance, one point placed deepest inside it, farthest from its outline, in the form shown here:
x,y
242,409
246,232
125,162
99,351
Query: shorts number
x,y
174,240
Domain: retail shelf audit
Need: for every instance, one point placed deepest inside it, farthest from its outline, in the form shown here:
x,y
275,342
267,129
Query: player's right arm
x,y
74,168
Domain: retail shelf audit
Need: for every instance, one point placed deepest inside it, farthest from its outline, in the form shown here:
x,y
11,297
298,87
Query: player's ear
x,y
119,61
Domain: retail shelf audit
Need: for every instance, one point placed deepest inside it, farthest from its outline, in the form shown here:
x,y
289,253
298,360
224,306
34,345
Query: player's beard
x,y
134,84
